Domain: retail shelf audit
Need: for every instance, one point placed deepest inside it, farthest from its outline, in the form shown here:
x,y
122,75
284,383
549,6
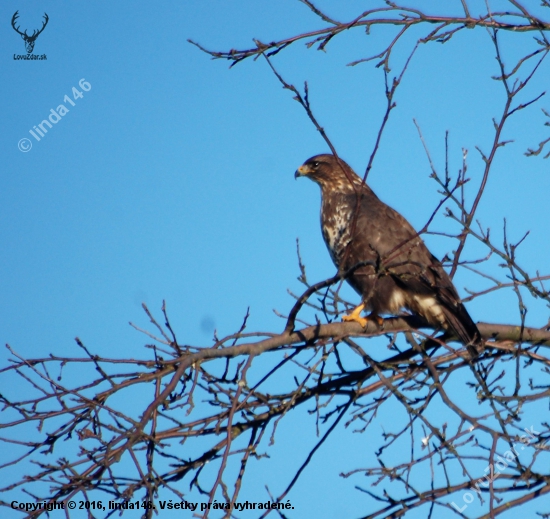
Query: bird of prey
x,y
387,263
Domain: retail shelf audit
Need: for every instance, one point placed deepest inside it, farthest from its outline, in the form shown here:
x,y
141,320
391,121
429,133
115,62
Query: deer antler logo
x,y
29,40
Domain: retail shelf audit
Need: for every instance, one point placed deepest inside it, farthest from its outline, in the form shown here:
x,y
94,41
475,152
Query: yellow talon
x,y
355,316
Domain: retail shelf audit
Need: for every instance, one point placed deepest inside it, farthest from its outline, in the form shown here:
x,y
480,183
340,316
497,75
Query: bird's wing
x,y
405,257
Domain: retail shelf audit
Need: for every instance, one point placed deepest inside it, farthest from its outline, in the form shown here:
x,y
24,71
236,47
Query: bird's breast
x,y
335,224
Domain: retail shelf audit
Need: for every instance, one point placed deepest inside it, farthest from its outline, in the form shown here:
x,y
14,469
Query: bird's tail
x,y
462,325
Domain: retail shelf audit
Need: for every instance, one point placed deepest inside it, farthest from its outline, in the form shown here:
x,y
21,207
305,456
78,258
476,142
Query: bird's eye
x,y
315,164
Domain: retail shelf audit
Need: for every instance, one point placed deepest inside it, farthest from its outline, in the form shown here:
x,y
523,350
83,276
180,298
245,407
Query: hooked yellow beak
x,y
301,171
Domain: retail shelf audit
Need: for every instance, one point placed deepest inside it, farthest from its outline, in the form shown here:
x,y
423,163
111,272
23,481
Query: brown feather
x,y
400,272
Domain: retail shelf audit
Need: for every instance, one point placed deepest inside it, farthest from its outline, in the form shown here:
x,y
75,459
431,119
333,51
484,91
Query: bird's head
x,y
329,172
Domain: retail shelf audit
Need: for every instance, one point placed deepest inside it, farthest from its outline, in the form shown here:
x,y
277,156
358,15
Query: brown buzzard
x,y
398,271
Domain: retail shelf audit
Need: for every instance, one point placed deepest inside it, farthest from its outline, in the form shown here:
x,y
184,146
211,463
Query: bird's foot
x,y
377,319
355,316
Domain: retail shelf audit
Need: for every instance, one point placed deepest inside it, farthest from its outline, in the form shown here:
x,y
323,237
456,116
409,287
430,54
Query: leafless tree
x,y
206,413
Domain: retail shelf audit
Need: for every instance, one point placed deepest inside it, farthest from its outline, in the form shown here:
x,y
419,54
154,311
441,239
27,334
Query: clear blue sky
x,y
172,178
